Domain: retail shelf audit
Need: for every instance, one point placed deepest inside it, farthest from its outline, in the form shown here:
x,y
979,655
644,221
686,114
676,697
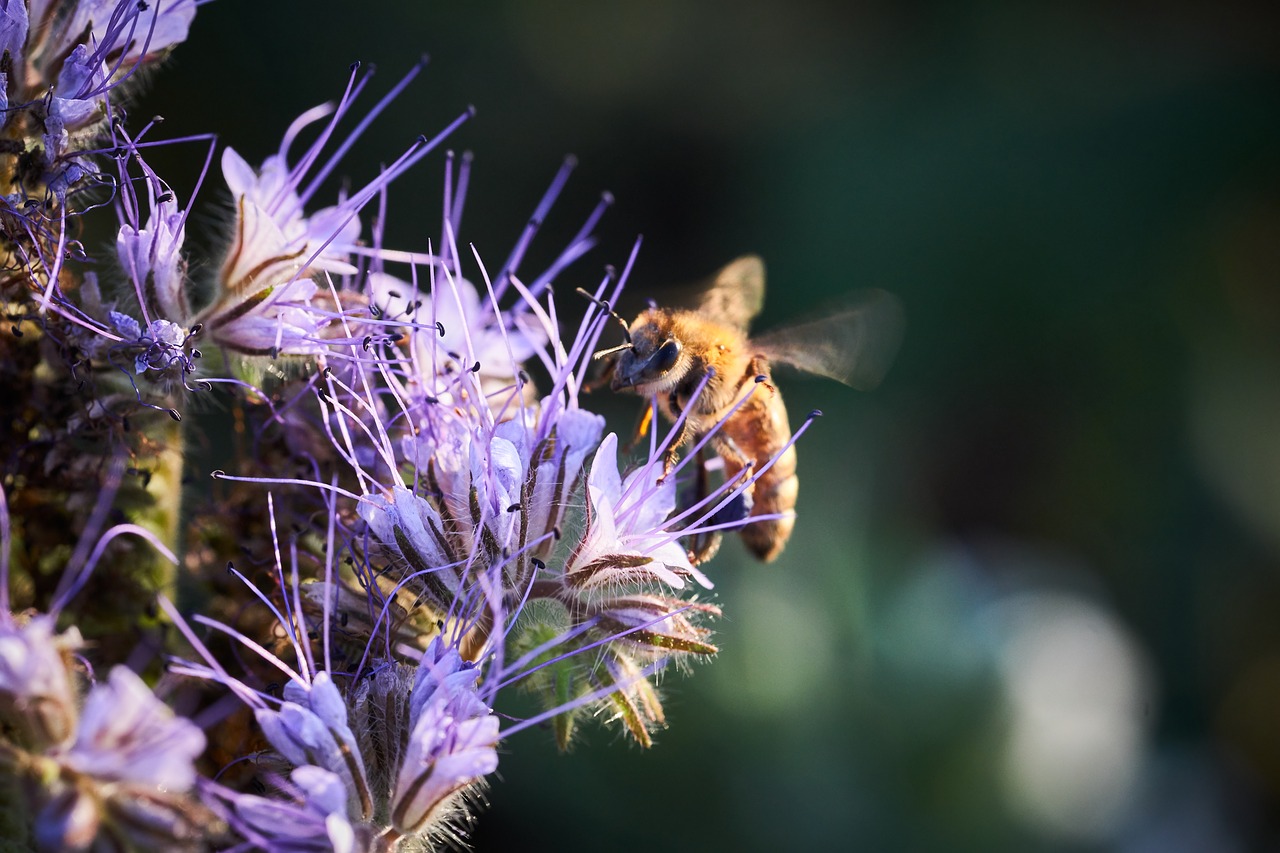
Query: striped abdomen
x,y
760,430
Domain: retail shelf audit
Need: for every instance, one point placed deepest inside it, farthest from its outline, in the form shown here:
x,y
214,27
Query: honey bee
x,y
669,353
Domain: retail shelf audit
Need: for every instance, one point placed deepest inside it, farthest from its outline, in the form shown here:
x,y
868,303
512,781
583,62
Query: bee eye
x,y
665,358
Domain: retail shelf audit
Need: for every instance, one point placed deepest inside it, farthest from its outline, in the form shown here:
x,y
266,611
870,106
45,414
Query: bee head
x,y
650,359
649,354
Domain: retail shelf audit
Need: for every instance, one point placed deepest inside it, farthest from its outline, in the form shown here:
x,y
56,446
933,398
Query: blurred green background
x,y
1032,599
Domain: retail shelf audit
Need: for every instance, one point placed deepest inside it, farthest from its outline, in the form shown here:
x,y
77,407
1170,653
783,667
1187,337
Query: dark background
x,y
1032,597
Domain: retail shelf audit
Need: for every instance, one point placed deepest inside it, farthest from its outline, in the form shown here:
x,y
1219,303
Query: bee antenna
x,y
626,332
607,352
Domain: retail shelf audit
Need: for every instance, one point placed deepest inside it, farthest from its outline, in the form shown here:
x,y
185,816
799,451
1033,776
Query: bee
x,y
669,353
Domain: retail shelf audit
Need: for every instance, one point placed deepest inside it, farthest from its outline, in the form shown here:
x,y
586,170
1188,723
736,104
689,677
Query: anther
x,y
761,378
176,415
440,328
816,413
513,508
217,473
538,564
475,368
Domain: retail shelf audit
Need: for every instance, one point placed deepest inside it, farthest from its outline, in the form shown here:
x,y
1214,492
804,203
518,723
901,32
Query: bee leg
x,y
601,379
702,546
680,439
734,458
705,547
672,455
759,367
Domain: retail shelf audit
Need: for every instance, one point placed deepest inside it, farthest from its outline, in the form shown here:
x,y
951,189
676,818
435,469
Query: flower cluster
x,y
112,767
456,525
62,62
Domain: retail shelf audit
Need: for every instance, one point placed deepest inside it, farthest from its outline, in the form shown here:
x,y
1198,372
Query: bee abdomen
x,y
775,492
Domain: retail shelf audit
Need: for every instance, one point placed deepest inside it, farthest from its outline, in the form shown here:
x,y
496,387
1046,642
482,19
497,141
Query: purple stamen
x,y
535,222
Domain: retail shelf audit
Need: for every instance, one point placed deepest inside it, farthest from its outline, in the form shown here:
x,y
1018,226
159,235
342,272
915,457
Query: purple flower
x,y
625,540
481,532
37,695
152,259
165,344
13,36
453,330
274,240
128,735
118,773
310,728
272,284
64,60
312,820
79,97
413,528
122,32
452,741
392,756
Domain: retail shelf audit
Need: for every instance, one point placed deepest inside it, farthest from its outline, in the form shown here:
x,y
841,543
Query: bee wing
x,y
736,294
854,344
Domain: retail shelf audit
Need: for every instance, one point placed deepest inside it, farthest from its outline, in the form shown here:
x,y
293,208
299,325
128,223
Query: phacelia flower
x,y
275,282
455,521
110,768
372,762
37,694
494,538
119,770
